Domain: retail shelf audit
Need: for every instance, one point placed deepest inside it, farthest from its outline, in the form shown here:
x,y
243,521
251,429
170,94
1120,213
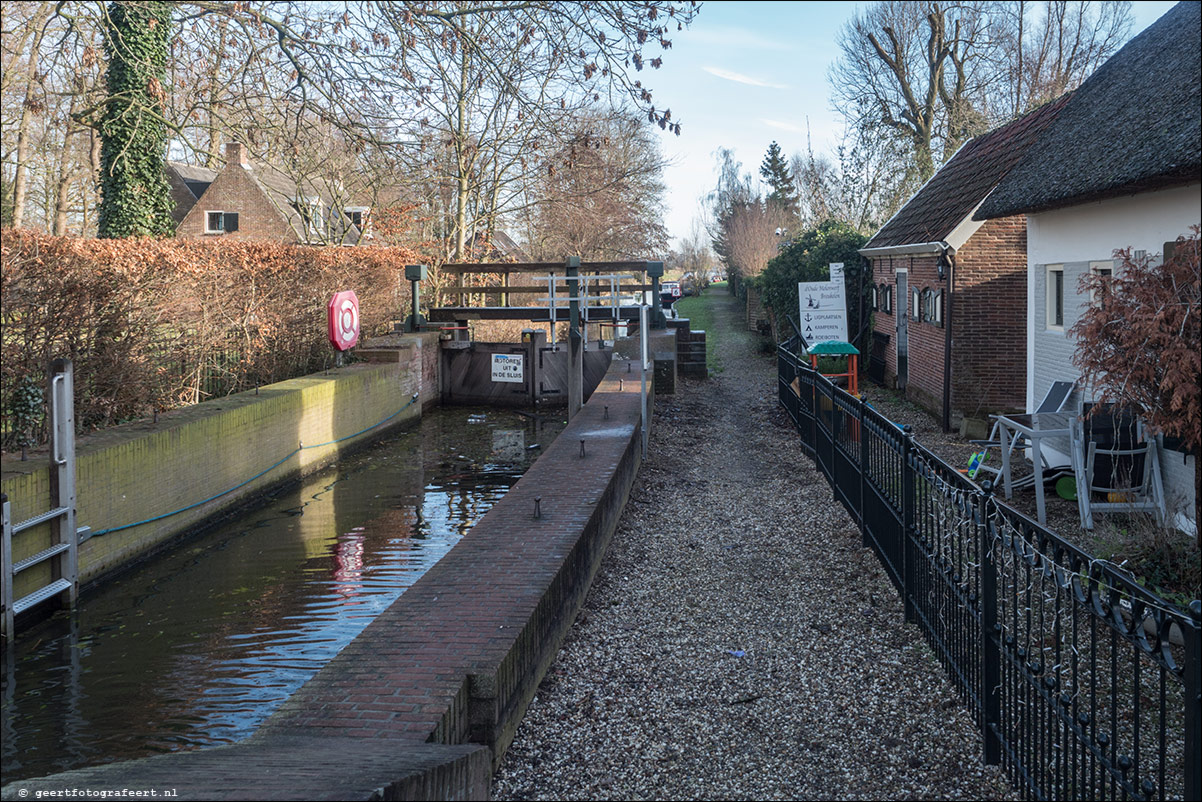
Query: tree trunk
x,y
66,173
462,162
19,180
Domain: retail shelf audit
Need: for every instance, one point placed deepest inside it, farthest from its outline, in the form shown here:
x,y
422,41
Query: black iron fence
x,y
1084,684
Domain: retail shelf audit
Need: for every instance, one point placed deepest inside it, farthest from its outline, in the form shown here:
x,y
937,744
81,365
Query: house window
x,y
360,218
937,308
1104,270
887,299
1055,297
876,298
915,304
221,222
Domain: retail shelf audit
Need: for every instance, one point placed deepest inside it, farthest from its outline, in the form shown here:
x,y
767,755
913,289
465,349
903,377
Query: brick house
x,y
248,202
949,292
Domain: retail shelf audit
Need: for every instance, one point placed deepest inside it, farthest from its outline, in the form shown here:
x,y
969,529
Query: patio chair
x,y
1055,400
1115,459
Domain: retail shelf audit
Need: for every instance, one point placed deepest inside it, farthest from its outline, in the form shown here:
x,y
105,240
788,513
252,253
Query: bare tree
x,y
862,186
754,233
1051,47
33,30
934,74
916,70
601,195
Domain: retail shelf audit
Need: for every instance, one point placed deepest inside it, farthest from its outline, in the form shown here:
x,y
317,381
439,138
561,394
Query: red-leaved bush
x,y
156,324
1140,345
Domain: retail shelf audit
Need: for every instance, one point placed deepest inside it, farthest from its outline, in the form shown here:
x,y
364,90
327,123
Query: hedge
x,y
156,324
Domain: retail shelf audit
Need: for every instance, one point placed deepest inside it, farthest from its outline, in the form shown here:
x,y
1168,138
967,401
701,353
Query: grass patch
x,y
700,312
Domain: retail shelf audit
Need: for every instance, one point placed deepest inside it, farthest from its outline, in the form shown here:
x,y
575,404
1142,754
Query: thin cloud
x,y
734,37
739,78
796,129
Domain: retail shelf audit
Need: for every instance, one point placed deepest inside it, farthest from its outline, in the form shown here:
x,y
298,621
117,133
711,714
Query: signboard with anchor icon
x,y
823,308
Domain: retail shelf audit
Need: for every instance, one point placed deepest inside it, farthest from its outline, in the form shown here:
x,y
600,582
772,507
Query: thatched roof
x,y
1134,125
950,196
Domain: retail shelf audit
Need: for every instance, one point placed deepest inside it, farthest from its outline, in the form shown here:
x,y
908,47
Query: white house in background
x,y
1119,167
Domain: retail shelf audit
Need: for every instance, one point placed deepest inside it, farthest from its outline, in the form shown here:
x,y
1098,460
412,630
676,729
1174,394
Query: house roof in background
x,y
950,196
497,246
279,189
196,179
1133,125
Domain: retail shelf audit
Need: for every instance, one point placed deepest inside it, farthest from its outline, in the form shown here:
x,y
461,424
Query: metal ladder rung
x,y
38,596
49,515
41,556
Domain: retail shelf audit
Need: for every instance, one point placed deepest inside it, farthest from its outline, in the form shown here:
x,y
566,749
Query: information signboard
x,y
823,309
508,368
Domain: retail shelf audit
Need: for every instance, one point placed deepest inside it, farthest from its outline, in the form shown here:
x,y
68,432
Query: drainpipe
x,y
948,257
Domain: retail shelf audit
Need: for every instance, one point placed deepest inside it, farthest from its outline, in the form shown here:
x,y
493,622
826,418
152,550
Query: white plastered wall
x,y
1091,232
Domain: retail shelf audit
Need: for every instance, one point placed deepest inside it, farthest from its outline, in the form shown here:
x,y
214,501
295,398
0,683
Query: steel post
x,y
991,656
908,511
62,472
575,339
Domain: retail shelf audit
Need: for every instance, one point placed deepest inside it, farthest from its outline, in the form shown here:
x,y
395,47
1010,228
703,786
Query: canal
x,y
198,646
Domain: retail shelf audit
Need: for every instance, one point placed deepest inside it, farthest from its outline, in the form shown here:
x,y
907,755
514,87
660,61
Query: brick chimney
x,y
235,153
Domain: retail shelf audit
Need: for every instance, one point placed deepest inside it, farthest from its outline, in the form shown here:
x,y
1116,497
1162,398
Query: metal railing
x,y
63,551
1085,685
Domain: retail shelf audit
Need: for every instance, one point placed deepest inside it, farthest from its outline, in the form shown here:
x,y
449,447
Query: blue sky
x,y
748,73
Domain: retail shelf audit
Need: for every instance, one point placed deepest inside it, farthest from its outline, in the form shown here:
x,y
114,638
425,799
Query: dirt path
x,y
739,643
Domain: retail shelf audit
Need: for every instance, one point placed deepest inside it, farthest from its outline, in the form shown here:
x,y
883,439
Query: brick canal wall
x,y
425,701
140,471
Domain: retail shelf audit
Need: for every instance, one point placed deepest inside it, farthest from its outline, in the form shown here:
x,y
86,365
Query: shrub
x,y
807,258
156,324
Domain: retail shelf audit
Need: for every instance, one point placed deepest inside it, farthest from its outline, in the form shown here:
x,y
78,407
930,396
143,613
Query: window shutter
x,y
231,222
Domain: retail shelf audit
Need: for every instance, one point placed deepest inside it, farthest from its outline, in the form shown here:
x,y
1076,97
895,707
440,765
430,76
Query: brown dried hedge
x,y
156,324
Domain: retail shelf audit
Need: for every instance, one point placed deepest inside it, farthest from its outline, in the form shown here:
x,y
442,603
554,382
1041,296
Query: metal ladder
x,y
63,552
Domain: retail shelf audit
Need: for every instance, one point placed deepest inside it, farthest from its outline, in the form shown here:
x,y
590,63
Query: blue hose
x,y
289,456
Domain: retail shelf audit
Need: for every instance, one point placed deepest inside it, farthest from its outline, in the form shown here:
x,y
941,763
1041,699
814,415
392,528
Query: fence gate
x,y
63,550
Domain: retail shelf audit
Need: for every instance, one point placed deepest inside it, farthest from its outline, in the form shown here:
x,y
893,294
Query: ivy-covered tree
x,y
135,195
775,170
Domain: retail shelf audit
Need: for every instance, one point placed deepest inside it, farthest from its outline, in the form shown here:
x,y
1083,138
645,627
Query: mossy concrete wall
x,y
141,471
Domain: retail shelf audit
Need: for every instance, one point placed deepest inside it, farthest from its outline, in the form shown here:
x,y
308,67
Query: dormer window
x,y
360,219
221,222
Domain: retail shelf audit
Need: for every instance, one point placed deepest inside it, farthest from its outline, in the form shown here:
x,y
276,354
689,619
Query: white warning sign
x,y
508,368
823,308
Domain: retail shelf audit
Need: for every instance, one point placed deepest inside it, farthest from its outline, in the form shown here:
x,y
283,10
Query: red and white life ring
x,y
344,319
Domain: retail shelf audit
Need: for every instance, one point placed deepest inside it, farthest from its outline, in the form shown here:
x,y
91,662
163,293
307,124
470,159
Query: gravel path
x,y
739,643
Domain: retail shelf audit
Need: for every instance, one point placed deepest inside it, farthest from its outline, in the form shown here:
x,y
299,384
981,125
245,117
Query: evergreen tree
x,y
135,196
775,170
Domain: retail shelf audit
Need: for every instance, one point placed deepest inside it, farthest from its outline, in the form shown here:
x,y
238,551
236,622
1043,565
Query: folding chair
x,y
1055,400
1113,456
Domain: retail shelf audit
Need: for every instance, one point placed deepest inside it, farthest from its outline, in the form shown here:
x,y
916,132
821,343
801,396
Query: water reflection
x,y
199,646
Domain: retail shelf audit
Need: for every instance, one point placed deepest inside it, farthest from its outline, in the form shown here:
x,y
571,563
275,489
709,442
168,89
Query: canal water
x,y
199,646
